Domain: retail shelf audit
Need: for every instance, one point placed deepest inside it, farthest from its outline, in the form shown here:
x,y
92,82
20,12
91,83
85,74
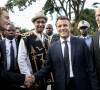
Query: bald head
x,y
10,32
49,29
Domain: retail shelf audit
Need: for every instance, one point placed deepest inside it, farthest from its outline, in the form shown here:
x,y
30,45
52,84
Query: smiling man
x,y
70,61
33,49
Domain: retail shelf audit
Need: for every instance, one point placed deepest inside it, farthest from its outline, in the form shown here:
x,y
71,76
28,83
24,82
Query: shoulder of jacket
x,y
25,35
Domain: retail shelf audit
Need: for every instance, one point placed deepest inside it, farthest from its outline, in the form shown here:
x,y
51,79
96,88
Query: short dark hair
x,y
62,18
49,25
11,25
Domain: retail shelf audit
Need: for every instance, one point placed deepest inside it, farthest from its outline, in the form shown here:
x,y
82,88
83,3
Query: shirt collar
x,y
85,37
51,36
38,34
8,40
68,39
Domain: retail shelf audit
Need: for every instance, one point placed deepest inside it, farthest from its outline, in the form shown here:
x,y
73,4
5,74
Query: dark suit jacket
x,y
82,66
54,38
3,54
95,50
7,77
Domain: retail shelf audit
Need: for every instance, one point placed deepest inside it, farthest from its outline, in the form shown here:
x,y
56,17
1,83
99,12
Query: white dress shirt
x,y
50,37
23,58
8,45
69,50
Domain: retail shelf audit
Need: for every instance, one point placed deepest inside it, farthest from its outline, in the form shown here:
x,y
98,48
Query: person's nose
x,y
62,27
97,18
9,22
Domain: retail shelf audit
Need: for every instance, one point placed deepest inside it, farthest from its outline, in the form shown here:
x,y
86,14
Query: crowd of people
x,y
34,60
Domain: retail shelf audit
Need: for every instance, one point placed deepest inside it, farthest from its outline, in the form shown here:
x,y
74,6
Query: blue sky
x,y
23,18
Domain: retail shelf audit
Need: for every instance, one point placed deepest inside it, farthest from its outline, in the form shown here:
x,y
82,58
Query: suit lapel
x,y
59,50
53,38
16,45
97,39
72,48
46,41
4,53
16,63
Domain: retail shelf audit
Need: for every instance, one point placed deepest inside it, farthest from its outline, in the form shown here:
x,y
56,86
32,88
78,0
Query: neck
x,y
84,35
38,32
49,34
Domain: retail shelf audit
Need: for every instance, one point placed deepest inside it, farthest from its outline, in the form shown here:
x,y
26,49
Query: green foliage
x,y
60,7
22,4
57,35
24,30
51,6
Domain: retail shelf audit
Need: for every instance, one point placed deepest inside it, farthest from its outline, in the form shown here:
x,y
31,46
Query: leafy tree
x,y
68,7
21,4
24,30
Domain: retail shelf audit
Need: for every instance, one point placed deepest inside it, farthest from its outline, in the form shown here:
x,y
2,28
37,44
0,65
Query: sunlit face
x,y
39,25
4,20
98,17
63,28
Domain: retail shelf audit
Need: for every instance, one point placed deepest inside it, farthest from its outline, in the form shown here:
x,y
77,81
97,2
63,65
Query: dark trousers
x,y
71,85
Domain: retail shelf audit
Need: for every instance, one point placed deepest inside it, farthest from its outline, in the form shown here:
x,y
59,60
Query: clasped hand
x,y
29,81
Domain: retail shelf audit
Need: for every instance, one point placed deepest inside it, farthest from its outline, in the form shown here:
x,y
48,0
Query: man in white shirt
x,y
70,61
9,47
33,49
7,77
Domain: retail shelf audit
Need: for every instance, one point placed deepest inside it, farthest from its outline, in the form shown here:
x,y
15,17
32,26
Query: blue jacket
x,y
82,66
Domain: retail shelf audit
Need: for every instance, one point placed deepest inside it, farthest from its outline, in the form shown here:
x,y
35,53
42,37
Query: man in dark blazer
x,y
5,45
6,76
81,74
49,32
95,45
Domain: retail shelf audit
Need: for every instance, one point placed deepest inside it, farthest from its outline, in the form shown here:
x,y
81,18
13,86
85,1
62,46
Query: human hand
x,y
29,80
